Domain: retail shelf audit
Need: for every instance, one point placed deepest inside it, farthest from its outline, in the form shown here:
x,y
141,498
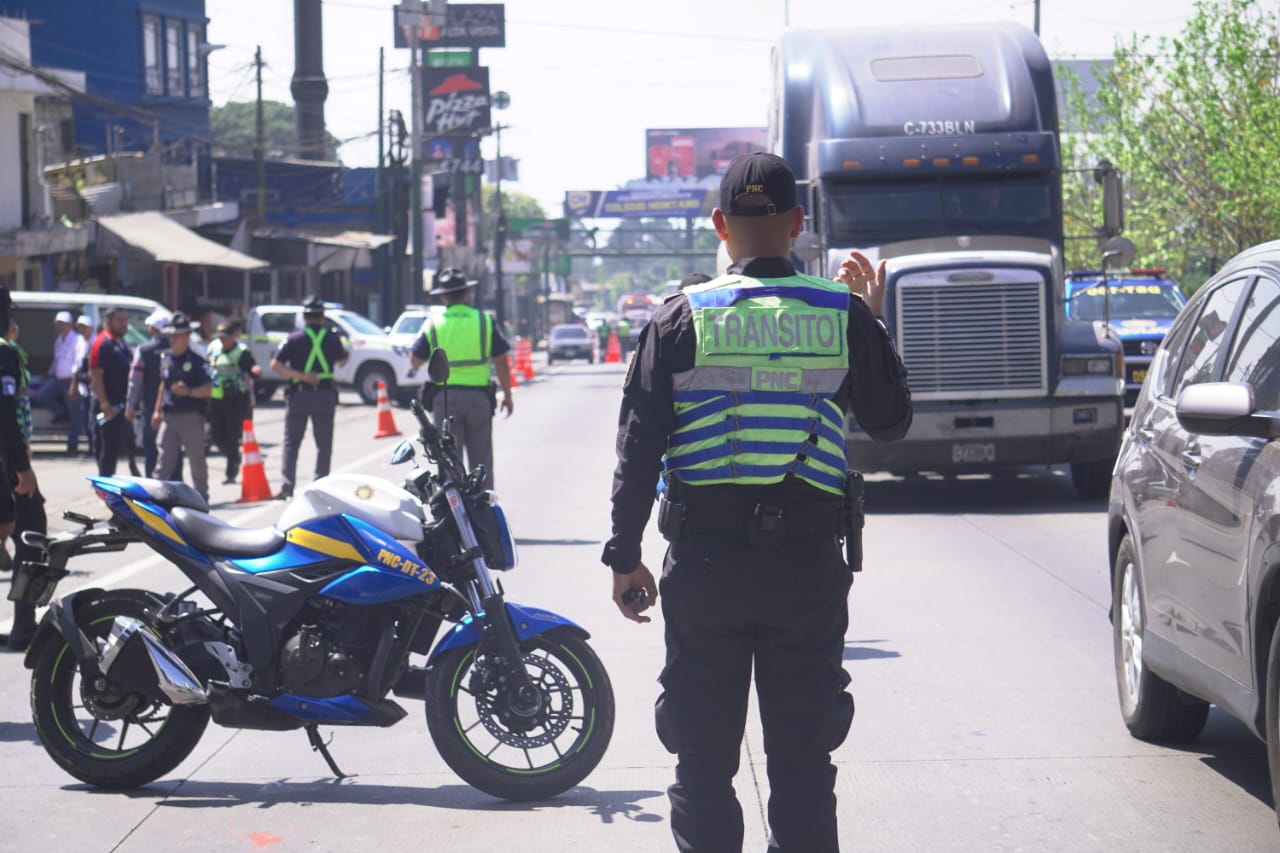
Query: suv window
x,y
409,325
1256,357
569,333
1205,340
279,321
362,324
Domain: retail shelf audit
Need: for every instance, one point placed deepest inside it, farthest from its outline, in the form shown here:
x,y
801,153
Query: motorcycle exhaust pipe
x,y
135,659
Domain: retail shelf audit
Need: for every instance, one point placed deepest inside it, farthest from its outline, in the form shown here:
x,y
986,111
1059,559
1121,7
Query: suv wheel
x,y
1152,708
367,379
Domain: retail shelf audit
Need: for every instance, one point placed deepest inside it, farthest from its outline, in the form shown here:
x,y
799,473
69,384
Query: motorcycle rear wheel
x,y
534,759
101,734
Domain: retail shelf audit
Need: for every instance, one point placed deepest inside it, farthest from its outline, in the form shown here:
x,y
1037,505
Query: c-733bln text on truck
x,y
937,149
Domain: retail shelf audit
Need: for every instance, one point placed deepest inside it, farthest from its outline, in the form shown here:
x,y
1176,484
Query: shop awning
x,y
166,241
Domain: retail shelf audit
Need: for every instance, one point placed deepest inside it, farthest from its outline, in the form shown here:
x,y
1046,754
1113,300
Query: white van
x,y
34,311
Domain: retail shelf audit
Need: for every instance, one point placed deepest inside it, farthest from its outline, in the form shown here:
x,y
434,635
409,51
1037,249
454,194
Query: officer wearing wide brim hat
x,y
307,358
737,394
474,344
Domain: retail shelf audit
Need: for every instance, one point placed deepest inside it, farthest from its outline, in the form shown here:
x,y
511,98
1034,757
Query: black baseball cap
x,y
758,184
313,305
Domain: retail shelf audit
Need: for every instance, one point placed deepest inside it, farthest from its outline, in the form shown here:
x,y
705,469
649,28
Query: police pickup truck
x,y
1139,305
374,356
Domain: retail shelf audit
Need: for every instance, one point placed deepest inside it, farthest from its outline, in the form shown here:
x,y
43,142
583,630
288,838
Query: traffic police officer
x,y
472,341
230,402
738,391
21,504
307,359
181,406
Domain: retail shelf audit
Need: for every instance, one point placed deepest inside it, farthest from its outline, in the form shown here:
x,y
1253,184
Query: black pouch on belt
x,y
671,515
854,491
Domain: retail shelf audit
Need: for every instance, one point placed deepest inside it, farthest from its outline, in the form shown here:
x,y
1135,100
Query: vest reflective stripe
x,y
821,427
227,375
758,403
465,334
317,334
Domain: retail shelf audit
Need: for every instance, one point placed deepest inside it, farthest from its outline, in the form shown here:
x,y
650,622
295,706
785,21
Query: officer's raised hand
x,y
864,280
635,592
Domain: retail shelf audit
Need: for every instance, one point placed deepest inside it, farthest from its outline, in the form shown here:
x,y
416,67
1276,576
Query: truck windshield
x,y
878,212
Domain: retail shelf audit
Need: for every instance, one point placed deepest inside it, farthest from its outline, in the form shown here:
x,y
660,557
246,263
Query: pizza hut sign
x,y
455,100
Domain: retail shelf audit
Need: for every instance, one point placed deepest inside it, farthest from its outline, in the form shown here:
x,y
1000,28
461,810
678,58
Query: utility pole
x,y
379,190
259,142
499,233
415,146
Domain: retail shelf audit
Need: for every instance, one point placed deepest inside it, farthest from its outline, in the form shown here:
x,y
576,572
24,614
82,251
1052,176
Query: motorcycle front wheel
x,y
97,731
518,755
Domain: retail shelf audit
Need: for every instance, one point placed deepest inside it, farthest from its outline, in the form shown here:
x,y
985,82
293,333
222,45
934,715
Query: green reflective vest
x,y
466,334
759,402
316,361
228,378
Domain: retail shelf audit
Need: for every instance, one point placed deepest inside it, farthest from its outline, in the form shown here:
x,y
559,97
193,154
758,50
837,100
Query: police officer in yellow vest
x,y
231,403
473,342
735,400
307,359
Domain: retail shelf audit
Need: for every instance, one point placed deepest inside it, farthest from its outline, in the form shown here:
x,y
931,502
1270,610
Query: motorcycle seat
x,y
214,536
171,493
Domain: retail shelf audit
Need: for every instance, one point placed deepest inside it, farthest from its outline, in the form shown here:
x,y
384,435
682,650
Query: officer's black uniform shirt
x,y
149,352
189,368
296,350
875,391
13,445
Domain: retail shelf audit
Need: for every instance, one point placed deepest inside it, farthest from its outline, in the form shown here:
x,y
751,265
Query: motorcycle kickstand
x,y
313,735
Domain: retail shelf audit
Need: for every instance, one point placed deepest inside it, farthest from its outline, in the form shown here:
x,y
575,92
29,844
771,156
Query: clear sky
x,y
588,77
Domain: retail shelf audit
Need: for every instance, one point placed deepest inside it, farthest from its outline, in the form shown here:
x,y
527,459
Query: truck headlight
x,y
1088,365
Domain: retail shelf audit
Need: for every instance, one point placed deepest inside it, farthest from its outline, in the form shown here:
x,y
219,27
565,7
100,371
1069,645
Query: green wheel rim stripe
x,y
57,719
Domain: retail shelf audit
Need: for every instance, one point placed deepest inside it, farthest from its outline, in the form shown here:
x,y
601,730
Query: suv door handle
x,y
1191,456
1146,434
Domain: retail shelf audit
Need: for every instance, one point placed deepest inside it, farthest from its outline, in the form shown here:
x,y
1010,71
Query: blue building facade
x,y
145,64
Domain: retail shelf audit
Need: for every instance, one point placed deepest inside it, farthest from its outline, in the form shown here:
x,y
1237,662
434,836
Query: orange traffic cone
x,y
253,477
386,421
524,358
613,350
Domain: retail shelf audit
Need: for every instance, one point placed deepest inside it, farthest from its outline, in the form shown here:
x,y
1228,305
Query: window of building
x,y
195,61
173,58
151,54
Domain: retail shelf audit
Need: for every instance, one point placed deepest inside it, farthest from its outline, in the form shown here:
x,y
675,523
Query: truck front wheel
x,y
1092,480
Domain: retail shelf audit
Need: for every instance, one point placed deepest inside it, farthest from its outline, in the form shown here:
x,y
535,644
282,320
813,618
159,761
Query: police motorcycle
x,y
314,622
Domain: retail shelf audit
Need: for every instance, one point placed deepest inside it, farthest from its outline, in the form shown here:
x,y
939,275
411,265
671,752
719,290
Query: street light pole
x,y
500,232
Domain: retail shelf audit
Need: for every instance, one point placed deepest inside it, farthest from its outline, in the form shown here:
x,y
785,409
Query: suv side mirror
x,y
1224,408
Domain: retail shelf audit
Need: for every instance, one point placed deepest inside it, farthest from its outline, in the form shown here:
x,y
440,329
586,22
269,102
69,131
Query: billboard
x,y
625,204
470,25
693,154
455,101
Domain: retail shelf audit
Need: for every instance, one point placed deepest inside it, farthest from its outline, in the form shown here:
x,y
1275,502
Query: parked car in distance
x,y
1194,518
568,341
1140,306
407,328
374,357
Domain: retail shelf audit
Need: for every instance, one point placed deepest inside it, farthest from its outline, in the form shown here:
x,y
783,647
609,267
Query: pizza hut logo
x,y
458,102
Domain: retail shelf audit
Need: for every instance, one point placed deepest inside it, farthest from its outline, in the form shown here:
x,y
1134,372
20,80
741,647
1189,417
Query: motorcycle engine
x,y
324,656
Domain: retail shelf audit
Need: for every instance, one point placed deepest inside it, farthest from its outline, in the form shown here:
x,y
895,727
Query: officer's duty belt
x,y
777,517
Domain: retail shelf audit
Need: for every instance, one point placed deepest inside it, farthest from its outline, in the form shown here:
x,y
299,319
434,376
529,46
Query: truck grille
x,y
976,340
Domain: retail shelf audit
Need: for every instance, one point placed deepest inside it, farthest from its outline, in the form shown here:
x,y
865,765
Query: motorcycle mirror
x,y
438,366
403,453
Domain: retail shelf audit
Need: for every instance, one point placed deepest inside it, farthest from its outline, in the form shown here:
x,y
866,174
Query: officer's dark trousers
x,y
472,413
317,406
729,608
115,441
27,513
226,426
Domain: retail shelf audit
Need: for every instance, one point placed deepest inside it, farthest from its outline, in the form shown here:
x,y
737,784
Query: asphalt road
x,y
979,648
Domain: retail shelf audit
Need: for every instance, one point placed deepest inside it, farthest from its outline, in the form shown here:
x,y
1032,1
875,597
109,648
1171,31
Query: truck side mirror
x,y
1112,197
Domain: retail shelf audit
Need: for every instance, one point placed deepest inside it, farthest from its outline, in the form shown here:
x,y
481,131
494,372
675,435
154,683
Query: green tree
x,y
234,130
1193,122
